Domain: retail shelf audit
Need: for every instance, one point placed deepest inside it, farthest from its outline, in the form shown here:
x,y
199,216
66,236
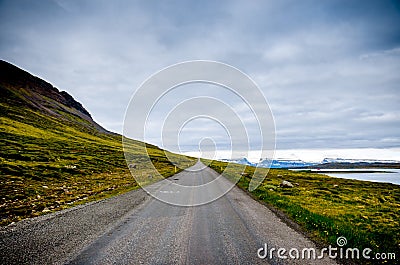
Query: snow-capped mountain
x,y
242,161
346,160
287,163
297,163
275,163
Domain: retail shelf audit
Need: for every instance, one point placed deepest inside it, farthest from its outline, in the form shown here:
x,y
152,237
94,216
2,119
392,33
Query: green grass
x,y
48,163
366,213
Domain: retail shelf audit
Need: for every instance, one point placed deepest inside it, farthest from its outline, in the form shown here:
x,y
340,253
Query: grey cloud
x,y
328,69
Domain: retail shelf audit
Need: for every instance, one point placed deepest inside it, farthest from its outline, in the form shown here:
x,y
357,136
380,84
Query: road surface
x,y
135,228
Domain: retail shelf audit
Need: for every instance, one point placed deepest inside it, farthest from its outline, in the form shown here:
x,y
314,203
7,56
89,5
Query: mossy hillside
x,y
366,213
55,158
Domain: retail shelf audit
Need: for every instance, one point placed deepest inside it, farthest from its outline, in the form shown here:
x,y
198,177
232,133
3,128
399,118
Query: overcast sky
x,y
329,69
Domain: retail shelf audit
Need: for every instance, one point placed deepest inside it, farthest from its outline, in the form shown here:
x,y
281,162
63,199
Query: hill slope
x,y
53,155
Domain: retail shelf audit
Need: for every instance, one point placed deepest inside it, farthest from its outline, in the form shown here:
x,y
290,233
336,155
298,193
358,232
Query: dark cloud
x,y
329,69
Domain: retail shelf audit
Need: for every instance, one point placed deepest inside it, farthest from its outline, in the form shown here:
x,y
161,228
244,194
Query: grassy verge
x,y
366,213
47,177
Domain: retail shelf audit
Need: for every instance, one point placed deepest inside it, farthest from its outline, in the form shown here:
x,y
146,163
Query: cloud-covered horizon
x,y
329,69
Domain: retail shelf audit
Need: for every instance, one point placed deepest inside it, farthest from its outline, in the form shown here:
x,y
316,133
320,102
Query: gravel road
x,y
135,228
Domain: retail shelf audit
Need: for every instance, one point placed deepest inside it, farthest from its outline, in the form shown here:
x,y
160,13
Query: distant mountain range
x,y
325,163
275,163
346,160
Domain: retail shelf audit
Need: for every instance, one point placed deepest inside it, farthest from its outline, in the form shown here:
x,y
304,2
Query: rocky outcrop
x,y
286,184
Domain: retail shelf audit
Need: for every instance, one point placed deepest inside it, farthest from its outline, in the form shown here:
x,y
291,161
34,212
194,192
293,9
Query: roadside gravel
x,y
54,238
